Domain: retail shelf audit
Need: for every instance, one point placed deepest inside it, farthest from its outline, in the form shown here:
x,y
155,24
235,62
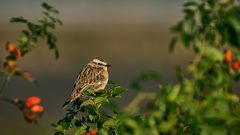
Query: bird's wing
x,y
85,80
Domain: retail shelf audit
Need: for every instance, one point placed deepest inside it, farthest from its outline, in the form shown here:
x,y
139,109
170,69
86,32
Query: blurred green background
x,y
132,35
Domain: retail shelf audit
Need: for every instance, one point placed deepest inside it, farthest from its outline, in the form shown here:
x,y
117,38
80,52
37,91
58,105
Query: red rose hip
x,y
37,109
235,65
33,100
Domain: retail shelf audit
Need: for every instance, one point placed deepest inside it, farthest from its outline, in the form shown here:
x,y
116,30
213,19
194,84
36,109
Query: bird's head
x,y
99,62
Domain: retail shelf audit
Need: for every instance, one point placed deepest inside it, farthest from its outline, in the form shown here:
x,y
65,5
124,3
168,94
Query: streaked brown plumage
x,y
93,76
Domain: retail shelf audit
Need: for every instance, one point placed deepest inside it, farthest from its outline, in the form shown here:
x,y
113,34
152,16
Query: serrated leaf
x,y
190,3
59,22
81,131
111,82
56,53
51,41
172,44
23,39
117,91
18,20
49,8
90,117
100,100
110,123
213,54
59,128
174,93
87,102
90,92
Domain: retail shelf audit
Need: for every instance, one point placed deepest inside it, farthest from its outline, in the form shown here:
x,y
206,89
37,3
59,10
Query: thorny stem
x,y
4,85
15,102
138,99
7,99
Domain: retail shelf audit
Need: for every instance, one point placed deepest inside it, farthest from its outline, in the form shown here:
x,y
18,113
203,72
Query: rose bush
x,y
202,101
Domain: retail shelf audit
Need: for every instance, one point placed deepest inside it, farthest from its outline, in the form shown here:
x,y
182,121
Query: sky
x,y
98,11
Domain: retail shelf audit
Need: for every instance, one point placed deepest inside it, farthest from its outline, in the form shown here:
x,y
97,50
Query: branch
x,y
13,101
16,102
3,86
138,99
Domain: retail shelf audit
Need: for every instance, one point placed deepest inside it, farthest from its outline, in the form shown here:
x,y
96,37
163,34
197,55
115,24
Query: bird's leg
x,y
77,103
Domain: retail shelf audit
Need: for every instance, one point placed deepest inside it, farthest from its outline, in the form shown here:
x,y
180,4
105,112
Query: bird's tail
x,y
65,105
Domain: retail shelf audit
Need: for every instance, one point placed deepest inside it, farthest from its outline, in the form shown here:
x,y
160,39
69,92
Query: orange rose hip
x,y
91,132
10,47
228,57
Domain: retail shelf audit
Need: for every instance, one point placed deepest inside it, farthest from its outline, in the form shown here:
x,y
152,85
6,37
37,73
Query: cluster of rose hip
x,y
232,61
31,108
10,63
14,54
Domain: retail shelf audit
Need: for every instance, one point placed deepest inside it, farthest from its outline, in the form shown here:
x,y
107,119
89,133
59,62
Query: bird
x,y
93,76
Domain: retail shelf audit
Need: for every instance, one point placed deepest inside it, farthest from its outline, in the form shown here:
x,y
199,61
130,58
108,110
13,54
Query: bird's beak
x,y
108,65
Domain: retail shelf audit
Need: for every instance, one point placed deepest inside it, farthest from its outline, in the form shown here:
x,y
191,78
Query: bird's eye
x,y
99,64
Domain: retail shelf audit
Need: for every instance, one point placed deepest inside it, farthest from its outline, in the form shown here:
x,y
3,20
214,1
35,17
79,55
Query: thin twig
x,y
138,99
3,86
15,102
7,99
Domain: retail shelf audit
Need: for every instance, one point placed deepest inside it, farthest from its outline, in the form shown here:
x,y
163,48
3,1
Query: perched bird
x,y
93,76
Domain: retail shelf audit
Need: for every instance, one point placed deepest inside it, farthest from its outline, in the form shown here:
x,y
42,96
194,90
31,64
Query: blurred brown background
x,y
132,35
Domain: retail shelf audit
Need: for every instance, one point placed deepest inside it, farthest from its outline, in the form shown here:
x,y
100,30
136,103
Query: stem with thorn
x,y
138,99
4,85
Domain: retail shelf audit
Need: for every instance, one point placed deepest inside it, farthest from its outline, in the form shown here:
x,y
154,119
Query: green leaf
x,y
90,117
174,93
51,41
35,31
87,102
186,39
56,53
81,131
177,28
59,22
32,27
23,39
49,8
18,20
172,44
190,3
111,82
116,91
213,54
166,126
90,92
100,100
59,128
110,123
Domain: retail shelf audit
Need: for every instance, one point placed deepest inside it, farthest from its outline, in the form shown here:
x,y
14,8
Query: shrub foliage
x,y
202,102
29,38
